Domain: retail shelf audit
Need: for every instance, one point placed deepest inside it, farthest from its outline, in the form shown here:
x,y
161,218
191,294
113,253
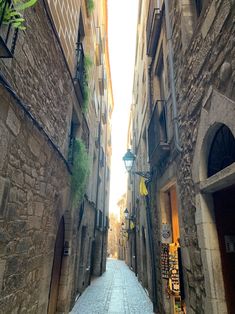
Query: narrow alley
x,y
117,291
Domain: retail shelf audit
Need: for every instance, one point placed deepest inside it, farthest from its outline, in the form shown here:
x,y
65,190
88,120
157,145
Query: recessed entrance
x,y
56,269
222,155
224,207
172,273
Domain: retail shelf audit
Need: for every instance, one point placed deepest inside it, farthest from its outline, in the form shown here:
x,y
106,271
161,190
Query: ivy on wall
x,y
12,11
80,171
90,6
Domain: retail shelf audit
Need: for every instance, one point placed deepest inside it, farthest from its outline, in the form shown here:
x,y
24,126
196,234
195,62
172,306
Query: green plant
x,y
86,91
12,14
80,171
90,6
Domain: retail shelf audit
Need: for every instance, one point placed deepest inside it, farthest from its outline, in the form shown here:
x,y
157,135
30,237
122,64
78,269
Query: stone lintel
x,y
219,181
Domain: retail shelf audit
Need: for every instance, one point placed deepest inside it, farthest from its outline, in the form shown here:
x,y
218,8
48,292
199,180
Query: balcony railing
x,y
158,146
8,34
153,26
80,75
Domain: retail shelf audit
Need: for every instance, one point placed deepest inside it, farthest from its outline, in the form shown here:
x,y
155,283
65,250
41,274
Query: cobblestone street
x,y
117,291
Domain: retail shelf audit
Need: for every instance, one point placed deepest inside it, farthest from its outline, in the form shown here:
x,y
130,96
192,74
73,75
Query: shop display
x,y
165,260
174,269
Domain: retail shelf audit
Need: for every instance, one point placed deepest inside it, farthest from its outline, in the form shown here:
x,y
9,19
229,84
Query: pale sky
x,y
122,22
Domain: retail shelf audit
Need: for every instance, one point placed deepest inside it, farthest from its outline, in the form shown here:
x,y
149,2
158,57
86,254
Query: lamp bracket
x,y
146,175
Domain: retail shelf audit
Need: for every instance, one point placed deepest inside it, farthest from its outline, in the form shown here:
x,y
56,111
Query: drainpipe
x,y
151,248
172,83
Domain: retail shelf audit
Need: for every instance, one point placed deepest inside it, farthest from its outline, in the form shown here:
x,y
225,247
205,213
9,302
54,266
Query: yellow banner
x,y
143,189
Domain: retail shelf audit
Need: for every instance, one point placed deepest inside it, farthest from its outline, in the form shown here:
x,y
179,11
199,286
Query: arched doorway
x,y
212,177
144,259
222,155
56,269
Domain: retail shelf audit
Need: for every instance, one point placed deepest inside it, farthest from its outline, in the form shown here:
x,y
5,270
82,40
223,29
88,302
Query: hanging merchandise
x,y
132,225
174,281
143,189
165,260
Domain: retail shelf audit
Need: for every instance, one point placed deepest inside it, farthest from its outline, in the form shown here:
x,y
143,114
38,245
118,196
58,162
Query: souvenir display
x,y
174,269
165,260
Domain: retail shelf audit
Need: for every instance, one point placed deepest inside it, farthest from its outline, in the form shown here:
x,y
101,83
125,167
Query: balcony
x,y
158,145
8,33
153,28
80,80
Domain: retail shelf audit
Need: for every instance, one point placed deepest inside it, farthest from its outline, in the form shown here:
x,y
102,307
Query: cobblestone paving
x,y
116,292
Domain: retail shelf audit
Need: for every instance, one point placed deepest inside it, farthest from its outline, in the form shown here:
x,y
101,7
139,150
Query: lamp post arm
x,y
146,175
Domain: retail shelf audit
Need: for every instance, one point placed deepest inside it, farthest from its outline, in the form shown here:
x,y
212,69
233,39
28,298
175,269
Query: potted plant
x,y
11,20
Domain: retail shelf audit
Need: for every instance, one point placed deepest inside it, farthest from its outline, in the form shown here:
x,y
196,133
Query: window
x,y
81,32
222,151
72,136
161,75
99,221
102,157
161,105
198,7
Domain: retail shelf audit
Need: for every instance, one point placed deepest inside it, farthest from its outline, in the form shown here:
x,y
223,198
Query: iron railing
x,y
157,130
152,28
80,74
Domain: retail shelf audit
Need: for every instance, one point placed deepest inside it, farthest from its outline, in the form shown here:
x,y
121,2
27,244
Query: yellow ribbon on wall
x,y
143,189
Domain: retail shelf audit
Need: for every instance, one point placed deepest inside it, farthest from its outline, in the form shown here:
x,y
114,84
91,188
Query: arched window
x,y
222,151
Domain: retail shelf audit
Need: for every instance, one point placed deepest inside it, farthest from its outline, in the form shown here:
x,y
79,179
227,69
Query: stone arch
x,y
56,268
217,110
66,266
65,284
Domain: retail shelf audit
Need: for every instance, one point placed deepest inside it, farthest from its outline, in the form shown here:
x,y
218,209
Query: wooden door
x,y
56,269
224,203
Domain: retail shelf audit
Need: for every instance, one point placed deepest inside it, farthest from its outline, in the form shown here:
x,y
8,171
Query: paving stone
x,y
116,292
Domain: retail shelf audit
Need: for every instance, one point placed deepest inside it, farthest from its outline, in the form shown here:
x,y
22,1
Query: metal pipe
x,y
171,71
151,249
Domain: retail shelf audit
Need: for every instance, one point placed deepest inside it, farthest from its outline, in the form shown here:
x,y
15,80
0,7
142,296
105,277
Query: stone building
x,y
51,242
122,230
113,236
182,128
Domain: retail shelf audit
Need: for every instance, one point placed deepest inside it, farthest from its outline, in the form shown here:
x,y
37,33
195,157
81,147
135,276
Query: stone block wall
x,y
34,186
208,60
39,76
66,18
35,117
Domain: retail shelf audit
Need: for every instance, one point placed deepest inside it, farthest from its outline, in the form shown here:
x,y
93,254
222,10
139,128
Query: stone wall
x,y
203,58
208,60
35,117
66,18
34,185
39,75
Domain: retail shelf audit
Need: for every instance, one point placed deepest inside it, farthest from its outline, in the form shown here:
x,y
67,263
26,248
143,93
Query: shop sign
x,y
166,233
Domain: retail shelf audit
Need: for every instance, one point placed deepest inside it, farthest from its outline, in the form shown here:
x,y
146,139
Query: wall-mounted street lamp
x,y
129,159
126,213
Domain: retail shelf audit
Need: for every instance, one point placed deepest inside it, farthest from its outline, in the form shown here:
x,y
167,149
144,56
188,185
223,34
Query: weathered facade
x,y
122,231
49,245
183,108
